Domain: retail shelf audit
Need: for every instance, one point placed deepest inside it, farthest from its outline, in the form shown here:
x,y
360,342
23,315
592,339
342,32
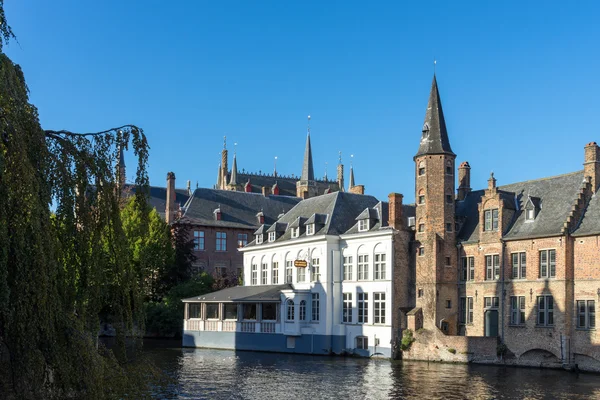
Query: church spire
x,y
307,167
435,137
233,179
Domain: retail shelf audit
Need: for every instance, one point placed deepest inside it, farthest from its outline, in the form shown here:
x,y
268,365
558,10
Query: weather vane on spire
x,y
351,158
309,124
224,142
434,64
275,168
234,148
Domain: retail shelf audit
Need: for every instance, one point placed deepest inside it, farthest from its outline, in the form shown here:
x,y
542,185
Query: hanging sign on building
x,y
300,263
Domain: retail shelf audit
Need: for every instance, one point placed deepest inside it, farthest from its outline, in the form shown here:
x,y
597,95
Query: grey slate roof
x,y
158,197
590,223
242,294
286,185
556,196
436,140
341,209
238,209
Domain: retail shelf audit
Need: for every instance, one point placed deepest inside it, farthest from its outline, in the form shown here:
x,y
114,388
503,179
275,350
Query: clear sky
x,y
518,81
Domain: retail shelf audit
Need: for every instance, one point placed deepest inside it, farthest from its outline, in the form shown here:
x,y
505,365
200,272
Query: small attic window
x,y
259,239
310,229
295,232
363,225
530,214
271,236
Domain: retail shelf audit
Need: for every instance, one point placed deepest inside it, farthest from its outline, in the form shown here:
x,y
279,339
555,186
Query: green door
x,y
491,323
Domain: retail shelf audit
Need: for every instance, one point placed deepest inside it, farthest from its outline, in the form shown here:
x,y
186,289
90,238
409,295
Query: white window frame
x,y
310,229
289,310
272,236
362,306
492,269
254,275
315,269
295,232
289,271
362,267
362,342
264,274
529,214
363,225
315,307
347,267
491,302
259,239
302,310
300,275
275,273
380,267
379,308
347,308
491,220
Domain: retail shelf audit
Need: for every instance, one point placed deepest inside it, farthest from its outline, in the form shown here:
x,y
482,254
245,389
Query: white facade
x,y
352,302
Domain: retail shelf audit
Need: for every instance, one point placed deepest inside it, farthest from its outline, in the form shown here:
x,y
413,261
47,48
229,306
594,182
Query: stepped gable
x,y
590,223
238,209
556,196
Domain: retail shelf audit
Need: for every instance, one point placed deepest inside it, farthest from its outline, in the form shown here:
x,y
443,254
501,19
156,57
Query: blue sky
x,y
518,81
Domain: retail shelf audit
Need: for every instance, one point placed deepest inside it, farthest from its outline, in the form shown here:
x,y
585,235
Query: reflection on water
x,y
222,374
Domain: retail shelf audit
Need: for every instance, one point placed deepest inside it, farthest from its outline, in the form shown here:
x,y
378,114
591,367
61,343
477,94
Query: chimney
x,y
357,189
464,180
266,191
171,209
340,176
217,213
248,187
491,182
395,211
189,187
260,217
591,164
275,189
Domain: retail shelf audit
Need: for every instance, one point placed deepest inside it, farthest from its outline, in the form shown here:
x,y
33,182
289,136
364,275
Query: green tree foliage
x,y
64,253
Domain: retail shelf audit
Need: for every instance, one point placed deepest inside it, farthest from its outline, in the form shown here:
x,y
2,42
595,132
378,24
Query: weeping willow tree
x,y
63,254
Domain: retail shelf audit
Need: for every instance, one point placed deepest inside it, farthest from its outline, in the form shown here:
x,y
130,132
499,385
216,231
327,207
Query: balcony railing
x,y
232,326
267,327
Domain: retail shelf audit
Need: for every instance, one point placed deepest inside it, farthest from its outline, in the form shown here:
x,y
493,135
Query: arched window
x,y
421,196
290,310
449,168
422,168
303,310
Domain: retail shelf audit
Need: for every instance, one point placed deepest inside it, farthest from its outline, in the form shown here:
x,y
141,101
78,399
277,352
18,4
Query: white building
x,y
318,281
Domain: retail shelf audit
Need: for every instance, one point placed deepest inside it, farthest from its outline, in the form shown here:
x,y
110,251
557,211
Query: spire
x,y
219,178
233,179
307,167
435,137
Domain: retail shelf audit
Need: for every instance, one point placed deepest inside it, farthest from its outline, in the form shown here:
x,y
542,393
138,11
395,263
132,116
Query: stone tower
x,y
307,187
436,265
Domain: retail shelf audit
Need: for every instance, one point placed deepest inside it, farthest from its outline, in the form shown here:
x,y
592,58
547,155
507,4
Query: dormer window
x,y
295,232
532,207
363,225
310,229
530,214
271,236
259,239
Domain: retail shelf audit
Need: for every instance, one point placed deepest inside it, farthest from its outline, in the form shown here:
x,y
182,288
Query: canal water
x,y
223,374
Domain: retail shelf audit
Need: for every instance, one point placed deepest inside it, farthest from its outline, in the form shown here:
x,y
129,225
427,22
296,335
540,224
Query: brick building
x,y
520,261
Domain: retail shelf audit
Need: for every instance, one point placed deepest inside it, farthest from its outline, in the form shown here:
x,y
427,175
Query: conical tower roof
x,y
307,166
233,178
435,137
